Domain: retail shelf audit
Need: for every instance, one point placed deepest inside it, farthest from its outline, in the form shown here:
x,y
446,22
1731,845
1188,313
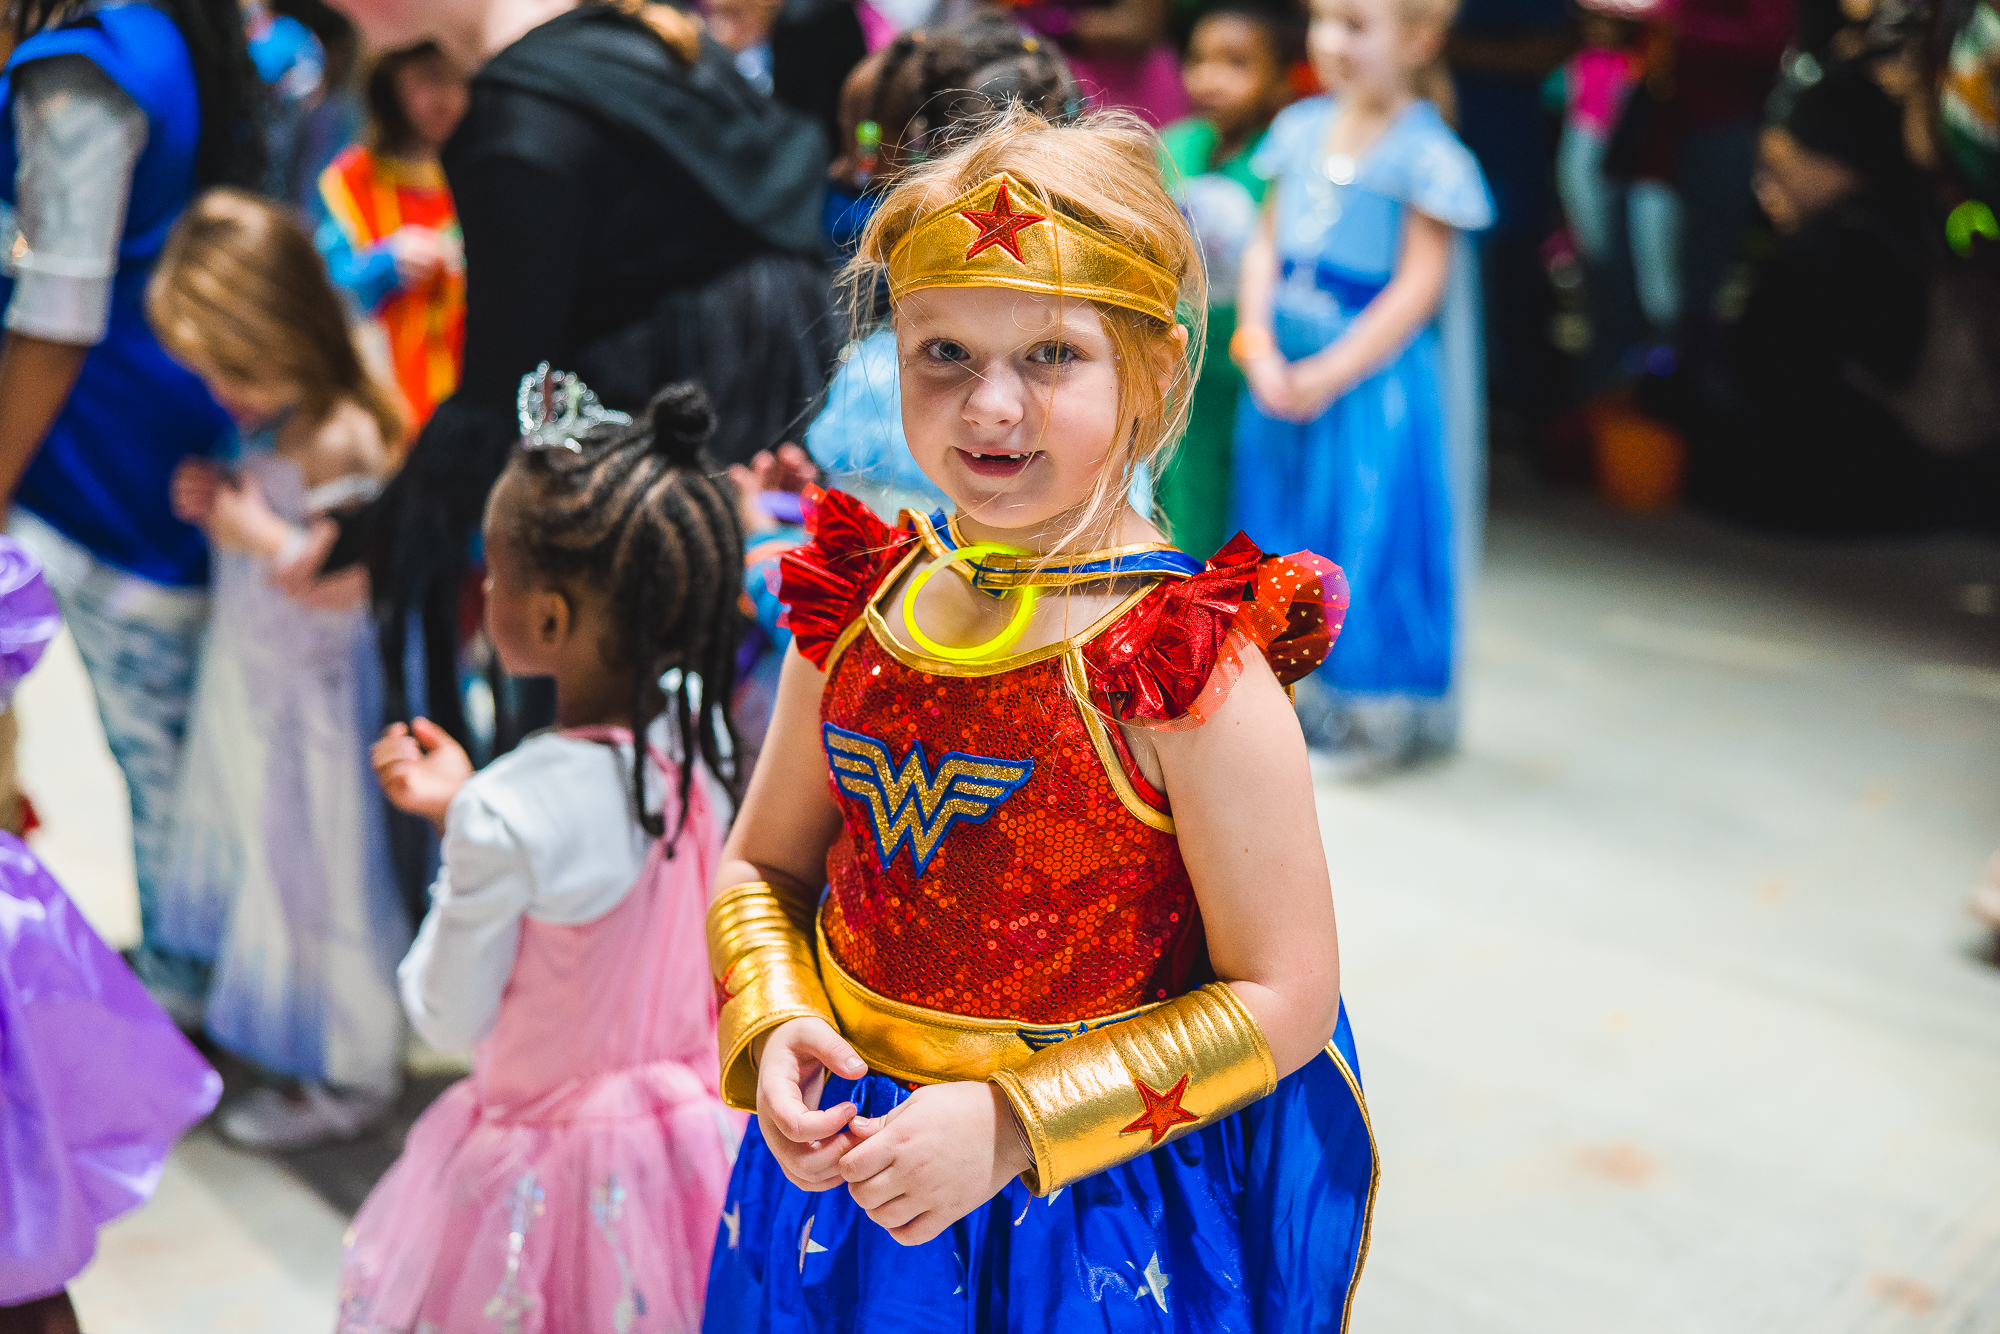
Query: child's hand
x,y
938,1156
1314,384
193,489
788,468
806,1141
420,768
296,572
421,253
1270,381
239,519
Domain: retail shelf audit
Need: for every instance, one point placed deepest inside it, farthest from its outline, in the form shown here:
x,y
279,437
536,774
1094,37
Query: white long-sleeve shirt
x,y
545,831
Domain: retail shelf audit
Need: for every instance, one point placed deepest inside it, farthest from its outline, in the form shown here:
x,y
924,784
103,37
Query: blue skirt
x,y
1364,485
1256,1223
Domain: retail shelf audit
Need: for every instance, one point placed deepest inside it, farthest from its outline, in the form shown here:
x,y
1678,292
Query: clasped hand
x,y
1289,390
940,1154
233,512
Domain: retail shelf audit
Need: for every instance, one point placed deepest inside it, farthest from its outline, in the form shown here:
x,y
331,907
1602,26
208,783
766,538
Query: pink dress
x,y
575,1180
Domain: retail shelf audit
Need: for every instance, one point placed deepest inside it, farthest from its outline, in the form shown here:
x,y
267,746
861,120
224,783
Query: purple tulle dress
x,y
96,1083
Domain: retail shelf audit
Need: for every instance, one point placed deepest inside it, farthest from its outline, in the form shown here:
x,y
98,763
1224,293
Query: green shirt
x,y
1221,200
1187,148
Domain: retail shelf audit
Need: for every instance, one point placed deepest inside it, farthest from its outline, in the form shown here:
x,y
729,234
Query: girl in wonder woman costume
x,y
1060,1045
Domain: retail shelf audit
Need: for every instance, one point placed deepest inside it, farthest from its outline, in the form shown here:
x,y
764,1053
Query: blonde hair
x,y
1433,81
240,288
1101,170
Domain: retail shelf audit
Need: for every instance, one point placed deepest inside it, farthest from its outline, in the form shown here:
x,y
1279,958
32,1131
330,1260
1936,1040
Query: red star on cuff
x,y
1163,1110
999,225
723,995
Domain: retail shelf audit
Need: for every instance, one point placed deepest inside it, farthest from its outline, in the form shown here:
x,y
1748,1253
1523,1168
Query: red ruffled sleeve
x,y
826,583
1171,660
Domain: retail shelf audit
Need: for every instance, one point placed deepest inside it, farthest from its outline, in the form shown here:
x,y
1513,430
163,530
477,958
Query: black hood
x,y
763,163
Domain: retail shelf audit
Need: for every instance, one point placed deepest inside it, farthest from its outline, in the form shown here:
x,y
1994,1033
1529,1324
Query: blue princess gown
x,y
1385,481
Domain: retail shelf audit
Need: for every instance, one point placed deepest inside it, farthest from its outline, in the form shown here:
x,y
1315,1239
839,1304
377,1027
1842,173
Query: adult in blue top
x,y
115,113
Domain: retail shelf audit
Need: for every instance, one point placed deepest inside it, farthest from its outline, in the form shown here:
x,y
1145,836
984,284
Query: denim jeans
x,y
140,642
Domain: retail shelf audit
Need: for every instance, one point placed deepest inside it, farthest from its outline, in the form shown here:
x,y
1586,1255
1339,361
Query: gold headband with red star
x,y
999,234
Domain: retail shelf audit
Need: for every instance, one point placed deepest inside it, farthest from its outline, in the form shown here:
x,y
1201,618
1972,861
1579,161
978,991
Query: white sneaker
x,y
267,1119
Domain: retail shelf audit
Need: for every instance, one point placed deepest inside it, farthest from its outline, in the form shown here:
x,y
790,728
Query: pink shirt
x,y
1598,79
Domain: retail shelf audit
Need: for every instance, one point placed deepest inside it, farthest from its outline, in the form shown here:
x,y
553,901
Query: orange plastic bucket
x,y
1641,462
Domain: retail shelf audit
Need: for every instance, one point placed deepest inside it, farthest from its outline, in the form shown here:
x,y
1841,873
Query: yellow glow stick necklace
x,y
1025,596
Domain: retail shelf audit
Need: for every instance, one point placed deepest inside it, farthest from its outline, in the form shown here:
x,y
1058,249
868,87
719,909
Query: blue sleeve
x,y
367,276
760,585
289,58
859,433
1442,180
1290,137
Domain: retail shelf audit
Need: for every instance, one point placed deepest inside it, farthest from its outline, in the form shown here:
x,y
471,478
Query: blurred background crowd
x,y
1743,255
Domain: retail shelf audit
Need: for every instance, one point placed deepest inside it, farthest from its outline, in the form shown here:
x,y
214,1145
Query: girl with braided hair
x,y
576,1177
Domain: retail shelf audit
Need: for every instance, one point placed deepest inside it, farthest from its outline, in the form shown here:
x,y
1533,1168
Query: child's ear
x,y
553,617
1179,338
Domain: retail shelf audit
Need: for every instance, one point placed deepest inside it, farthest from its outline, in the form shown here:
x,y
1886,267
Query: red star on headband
x,y
1163,1110
999,225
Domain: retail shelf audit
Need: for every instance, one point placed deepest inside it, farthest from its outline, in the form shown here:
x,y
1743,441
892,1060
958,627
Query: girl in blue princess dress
x,y
1360,436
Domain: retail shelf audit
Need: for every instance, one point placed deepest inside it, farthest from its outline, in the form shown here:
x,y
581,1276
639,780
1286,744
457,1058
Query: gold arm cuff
x,y
1109,1095
760,950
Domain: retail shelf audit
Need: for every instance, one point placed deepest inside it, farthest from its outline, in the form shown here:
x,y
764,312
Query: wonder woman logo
x,y
910,804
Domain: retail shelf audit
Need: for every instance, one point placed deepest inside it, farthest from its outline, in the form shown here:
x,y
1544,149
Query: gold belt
x,y
925,1046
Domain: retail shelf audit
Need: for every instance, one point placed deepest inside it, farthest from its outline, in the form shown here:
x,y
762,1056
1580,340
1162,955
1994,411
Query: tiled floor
x,y
1669,1013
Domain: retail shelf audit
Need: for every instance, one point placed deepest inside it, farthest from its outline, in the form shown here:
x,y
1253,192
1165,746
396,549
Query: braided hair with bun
x,y
639,514
938,86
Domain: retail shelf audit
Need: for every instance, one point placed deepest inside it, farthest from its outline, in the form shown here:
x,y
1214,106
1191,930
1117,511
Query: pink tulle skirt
x,y
593,1207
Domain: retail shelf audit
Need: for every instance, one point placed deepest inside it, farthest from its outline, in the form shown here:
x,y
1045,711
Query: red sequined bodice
x,y
996,859
1051,904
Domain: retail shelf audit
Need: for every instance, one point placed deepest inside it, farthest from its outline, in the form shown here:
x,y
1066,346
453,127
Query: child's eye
x,y
1052,354
943,349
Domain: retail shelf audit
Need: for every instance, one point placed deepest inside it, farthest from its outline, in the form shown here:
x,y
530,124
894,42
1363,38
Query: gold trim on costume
x,y
845,640
925,1046
1000,233
1107,754
1185,1064
1374,1181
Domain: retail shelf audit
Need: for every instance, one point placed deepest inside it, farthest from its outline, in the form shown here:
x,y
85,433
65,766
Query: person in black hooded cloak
x,y
633,212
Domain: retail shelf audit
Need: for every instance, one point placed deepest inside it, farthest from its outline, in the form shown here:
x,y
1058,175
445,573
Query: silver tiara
x,y
555,408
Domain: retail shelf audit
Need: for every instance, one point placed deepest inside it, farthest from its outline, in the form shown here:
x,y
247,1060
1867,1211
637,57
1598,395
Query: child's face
x,y
1232,73
1365,48
248,402
1010,400
433,97
1794,185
